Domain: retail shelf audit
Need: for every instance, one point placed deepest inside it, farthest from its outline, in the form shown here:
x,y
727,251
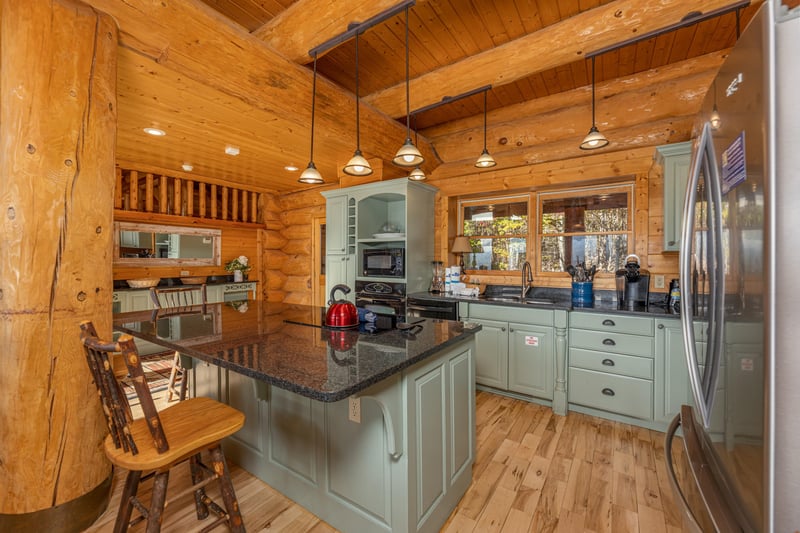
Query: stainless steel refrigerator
x,y
740,309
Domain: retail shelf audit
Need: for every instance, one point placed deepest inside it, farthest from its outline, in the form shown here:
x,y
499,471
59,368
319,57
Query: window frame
x,y
628,188
510,199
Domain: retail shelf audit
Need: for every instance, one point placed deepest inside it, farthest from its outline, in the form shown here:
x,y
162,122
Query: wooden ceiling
x,y
213,73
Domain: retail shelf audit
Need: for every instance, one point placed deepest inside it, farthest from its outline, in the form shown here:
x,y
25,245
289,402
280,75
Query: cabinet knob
x,y
608,392
671,243
502,329
609,322
608,362
661,326
511,330
609,342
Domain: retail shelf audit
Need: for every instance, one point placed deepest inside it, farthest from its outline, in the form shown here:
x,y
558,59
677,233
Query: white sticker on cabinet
x,y
531,340
747,364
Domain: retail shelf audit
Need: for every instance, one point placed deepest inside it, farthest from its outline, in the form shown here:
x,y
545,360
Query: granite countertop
x,y
562,300
287,346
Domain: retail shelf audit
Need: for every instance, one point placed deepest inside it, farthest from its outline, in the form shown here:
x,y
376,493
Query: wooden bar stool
x,y
153,445
178,298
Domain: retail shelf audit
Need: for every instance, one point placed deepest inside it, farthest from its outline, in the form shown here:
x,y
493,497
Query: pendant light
x,y
311,175
408,155
358,165
417,174
485,160
594,139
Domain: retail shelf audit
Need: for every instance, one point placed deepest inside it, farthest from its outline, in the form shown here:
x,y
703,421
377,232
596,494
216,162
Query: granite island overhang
x,y
369,431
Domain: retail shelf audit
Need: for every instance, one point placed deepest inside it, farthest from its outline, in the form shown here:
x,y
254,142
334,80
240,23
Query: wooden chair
x,y
151,446
178,298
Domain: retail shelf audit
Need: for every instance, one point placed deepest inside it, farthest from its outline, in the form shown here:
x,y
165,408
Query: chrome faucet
x,y
526,280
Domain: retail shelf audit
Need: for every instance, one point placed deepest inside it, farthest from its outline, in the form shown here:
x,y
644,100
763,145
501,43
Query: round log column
x,y
57,135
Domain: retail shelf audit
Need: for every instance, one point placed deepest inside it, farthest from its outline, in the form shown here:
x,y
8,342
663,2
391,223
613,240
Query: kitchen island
x,y
370,431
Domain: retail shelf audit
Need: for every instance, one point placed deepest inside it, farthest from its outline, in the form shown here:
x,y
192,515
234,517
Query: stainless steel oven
x,y
380,297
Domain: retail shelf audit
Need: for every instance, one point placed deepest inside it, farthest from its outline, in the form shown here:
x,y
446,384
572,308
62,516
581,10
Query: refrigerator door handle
x,y
702,161
673,479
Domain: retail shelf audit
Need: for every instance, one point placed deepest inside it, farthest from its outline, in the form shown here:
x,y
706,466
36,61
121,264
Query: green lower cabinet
x,y
491,353
611,392
530,360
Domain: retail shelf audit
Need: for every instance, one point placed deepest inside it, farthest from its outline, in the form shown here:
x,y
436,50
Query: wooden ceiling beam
x,y
674,90
665,131
198,44
307,23
554,45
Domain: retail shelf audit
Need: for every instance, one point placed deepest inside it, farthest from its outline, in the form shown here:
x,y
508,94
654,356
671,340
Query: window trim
x,y
510,199
627,187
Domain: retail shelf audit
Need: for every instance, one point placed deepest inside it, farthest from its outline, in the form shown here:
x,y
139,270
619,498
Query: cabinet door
x,y
336,225
531,360
340,269
675,159
672,375
491,354
139,301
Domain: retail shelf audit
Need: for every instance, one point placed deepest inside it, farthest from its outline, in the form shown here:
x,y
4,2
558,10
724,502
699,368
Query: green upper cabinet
x,y
675,159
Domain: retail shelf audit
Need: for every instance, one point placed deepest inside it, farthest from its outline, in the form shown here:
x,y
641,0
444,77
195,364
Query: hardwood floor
x,y
534,471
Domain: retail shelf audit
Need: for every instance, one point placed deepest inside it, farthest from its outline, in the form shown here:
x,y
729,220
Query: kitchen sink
x,y
511,299
539,301
517,299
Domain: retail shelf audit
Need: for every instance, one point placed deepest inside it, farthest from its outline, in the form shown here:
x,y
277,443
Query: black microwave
x,y
384,262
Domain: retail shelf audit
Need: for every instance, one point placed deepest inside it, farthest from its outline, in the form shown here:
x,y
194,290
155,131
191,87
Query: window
x,y
498,232
593,226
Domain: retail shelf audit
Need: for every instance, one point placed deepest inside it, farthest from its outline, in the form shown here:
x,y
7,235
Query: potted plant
x,y
239,266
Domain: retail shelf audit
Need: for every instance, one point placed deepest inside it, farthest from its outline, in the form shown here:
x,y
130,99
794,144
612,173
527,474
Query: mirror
x,y
151,244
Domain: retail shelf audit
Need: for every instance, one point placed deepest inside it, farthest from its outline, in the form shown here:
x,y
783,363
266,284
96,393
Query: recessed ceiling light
x,y
155,132
232,150
291,168
187,167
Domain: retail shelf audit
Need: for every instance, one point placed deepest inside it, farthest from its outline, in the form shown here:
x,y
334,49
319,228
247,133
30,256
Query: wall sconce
x,y
594,139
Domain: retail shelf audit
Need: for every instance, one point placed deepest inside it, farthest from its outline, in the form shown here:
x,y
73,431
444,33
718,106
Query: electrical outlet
x,y
184,272
354,409
659,281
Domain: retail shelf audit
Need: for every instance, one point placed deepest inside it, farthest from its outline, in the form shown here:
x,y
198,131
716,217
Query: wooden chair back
x,y
184,296
115,403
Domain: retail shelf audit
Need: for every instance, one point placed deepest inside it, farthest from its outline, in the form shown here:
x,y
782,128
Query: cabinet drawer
x,y
625,365
636,325
609,392
611,342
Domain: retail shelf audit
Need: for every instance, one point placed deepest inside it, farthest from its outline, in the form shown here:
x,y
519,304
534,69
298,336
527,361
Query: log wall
x,y
56,180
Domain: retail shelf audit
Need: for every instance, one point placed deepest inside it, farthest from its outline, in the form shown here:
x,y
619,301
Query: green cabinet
x,y
516,356
672,374
675,159
336,225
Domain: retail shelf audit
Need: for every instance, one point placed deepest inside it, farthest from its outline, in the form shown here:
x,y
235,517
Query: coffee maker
x,y
633,284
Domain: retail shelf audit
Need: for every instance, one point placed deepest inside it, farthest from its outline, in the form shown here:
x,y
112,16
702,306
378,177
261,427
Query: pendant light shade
x,y
358,165
485,160
408,155
311,175
594,139
417,175
715,119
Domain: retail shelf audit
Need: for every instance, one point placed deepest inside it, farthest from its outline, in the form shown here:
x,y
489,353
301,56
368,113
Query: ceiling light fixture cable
x,y
594,139
311,175
485,160
408,155
358,165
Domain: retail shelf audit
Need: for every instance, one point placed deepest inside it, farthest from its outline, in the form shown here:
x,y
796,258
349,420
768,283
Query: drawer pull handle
x,y
608,322
608,362
608,392
609,342
661,326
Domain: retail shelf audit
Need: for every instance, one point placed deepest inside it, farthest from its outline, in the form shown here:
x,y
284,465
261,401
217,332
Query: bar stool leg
x,y
126,501
199,494
226,486
158,498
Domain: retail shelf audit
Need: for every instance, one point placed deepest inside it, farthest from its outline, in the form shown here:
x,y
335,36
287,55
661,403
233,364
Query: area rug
x,y
156,371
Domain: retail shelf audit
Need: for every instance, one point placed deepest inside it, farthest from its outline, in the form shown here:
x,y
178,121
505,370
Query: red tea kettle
x,y
341,313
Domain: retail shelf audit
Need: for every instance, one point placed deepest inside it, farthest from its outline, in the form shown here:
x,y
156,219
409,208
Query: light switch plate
x,y
659,282
184,272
